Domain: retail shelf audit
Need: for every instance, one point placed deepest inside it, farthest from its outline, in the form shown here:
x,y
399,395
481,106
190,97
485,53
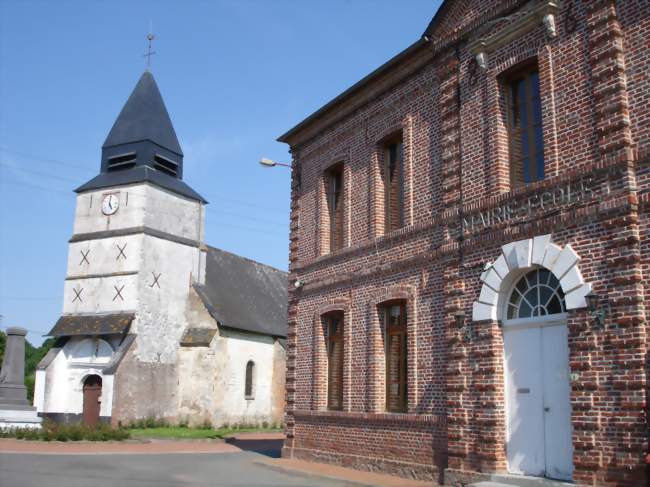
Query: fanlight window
x,y
538,293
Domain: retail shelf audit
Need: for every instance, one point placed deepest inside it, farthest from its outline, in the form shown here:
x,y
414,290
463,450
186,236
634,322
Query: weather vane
x,y
150,37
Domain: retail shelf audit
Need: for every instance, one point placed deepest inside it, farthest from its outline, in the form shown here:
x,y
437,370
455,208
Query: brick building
x,y
469,239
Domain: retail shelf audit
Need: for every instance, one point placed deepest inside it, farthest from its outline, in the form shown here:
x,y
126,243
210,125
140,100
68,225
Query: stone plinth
x,y
15,410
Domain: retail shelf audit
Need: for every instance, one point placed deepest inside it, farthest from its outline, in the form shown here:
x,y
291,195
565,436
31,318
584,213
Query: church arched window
x,y
248,386
537,293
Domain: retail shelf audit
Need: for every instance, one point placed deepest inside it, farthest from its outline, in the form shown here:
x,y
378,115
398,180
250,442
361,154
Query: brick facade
x,y
459,211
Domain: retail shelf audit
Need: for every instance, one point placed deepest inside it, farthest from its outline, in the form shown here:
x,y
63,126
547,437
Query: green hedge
x,y
51,431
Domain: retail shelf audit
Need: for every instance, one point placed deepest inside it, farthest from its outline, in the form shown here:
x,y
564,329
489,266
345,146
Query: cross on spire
x,y
150,37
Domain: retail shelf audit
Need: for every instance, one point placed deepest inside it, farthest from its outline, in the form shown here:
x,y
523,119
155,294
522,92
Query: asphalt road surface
x,y
160,470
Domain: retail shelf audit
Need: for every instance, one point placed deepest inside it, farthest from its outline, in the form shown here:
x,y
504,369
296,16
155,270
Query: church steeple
x,y
142,145
142,131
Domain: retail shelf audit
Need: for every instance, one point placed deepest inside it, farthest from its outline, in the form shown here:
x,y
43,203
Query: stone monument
x,y
15,410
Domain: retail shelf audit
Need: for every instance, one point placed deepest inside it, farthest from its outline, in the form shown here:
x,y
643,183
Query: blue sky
x,y
234,76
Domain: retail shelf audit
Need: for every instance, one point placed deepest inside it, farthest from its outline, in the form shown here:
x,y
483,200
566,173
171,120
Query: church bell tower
x,y
136,250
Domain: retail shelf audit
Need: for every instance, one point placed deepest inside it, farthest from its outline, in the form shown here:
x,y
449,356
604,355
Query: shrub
x,y
76,434
51,431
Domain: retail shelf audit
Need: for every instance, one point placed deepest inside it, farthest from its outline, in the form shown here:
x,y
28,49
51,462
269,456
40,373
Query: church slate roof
x,y
103,324
193,336
244,295
142,145
144,117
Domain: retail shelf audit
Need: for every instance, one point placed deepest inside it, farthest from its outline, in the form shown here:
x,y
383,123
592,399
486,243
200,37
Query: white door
x,y
557,404
537,401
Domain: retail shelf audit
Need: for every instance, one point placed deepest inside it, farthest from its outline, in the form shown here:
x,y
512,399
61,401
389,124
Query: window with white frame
x,y
537,293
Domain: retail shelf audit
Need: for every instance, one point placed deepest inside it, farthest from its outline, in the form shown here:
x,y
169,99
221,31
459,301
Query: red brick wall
x,y
595,90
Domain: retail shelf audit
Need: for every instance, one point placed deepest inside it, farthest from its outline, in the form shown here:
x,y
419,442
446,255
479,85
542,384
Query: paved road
x,y
236,469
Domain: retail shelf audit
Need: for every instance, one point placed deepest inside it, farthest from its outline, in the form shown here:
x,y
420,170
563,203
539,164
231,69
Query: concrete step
x,y
508,480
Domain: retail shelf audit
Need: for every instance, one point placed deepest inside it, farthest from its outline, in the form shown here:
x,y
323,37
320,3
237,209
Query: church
x,y
155,323
470,249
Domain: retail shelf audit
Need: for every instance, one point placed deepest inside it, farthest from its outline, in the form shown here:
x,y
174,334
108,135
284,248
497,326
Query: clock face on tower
x,y
110,204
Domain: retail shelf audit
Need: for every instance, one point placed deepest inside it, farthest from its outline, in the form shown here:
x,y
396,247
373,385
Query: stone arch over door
x,y
534,392
518,257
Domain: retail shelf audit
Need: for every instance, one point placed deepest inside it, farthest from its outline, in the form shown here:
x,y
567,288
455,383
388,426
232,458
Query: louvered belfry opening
x,y
165,165
121,162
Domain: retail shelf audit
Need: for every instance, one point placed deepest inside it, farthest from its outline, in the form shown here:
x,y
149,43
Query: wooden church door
x,y
92,399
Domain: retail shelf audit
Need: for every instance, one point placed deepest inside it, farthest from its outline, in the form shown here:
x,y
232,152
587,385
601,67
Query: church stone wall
x,y
279,383
173,214
161,314
211,385
240,348
104,256
140,205
132,207
144,390
211,381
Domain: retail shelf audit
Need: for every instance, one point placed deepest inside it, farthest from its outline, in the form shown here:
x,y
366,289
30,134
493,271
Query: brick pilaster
x,y
292,310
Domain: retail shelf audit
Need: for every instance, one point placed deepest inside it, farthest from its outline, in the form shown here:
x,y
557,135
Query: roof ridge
x,y
247,259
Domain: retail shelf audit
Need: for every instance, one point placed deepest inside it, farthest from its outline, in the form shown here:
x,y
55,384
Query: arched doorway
x,y
92,393
536,367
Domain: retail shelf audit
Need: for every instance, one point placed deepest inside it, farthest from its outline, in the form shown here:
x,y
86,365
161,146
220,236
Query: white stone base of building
x,y
17,418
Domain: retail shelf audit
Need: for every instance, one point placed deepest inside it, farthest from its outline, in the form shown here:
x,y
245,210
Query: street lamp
x,y
271,163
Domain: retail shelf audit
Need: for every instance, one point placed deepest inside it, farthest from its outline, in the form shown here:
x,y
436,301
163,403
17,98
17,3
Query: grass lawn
x,y
194,433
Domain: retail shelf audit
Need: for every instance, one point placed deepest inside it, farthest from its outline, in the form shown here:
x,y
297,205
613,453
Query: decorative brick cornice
x,y
354,416
603,168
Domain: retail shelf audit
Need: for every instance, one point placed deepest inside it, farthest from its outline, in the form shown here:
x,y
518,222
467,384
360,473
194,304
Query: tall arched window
x,y
537,293
334,338
248,387
393,316
525,131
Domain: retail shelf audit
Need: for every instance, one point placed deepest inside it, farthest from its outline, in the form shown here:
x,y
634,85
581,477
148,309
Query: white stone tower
x,y
136,250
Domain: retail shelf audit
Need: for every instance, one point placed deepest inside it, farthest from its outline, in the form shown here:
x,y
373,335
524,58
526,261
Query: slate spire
x,y
144,117
142,145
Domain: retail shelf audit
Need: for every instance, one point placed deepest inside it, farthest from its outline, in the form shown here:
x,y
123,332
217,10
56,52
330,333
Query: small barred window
x,y
538,293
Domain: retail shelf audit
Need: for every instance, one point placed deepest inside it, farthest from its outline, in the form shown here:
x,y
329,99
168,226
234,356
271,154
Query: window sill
x,y
405,418
366,243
